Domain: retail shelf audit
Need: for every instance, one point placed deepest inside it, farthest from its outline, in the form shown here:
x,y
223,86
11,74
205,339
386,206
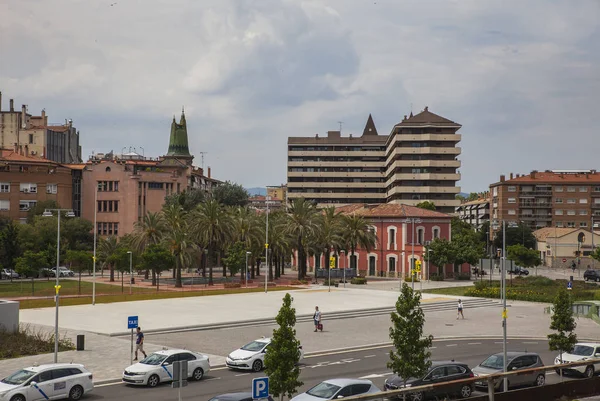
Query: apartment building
x,y
476,212
417,161
120,189
551,198
27,179
277,193
37,137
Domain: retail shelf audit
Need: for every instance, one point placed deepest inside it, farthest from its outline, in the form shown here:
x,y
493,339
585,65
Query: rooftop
x,y
553,177
389,210
425,118
552,232
11,155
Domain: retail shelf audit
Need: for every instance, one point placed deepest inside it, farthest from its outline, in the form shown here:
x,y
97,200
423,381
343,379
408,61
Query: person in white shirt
x,y
317,319
460,310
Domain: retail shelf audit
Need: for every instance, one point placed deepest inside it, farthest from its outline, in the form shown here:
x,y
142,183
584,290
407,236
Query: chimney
x,y
404,118
12,104
532,175
0,101
208,172
426,108
23,116
511,176
502,178
44,122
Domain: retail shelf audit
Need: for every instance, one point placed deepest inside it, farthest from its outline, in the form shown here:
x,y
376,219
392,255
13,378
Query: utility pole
x,y
267,245
505,379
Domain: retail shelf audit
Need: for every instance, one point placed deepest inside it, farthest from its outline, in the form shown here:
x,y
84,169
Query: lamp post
x,y
505,379
95,240
246,272
412,220
130,270
401,274
267,198
49,213
592,241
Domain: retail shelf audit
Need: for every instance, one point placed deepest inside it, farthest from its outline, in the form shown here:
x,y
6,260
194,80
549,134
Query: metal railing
x,y
492,381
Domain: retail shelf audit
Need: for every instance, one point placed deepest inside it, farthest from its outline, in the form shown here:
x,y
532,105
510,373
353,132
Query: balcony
x,y
536,205
423,190
535,193
536,217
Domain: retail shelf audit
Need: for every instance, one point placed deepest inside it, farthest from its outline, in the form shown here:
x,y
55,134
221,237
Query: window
x,y
51,188
558,212
4,186
25,205
583,189
392,242
558,189
436,373
571,201
4,205
571,224
583,212
596,189
512,188
512,200
108,186
570,212
559,224
420,235
583,200
436,233
30,138
583,224
27,187
558,200
186,356
455,370
58,373
392,264
512,212
571,189
109,206
495,191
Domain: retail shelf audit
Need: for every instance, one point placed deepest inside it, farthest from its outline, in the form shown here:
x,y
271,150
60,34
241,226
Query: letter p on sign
x,y
260,388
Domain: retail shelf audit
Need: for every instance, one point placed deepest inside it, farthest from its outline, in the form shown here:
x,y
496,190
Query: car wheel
x,y
257,365
153,381
76,393
465,391
18,397
417,396
540,380
198,374
589,372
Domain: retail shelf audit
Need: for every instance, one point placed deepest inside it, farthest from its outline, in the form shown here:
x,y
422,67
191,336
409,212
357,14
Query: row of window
x,y
108,228
557,200
420,234
559,212
513,188
571,224
28,187
108,186
110,206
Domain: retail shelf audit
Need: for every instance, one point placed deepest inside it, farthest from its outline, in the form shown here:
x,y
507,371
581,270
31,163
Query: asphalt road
x,y
369,363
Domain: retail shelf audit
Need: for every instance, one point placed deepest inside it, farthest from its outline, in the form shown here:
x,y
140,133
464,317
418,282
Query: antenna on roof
x,y
202,156
340,123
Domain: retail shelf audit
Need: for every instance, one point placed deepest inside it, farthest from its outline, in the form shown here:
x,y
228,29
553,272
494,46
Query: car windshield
x,y
153,359
19,377
582,350
254,346
323,390
493,362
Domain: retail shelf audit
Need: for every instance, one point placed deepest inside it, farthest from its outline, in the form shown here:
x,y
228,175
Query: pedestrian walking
x,y
317,319
139,343
460,310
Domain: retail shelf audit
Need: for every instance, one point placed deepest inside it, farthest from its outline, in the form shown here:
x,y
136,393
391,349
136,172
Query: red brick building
x,y
397,242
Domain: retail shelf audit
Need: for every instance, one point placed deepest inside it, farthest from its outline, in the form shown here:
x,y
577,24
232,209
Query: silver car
x,y
337,388
516,361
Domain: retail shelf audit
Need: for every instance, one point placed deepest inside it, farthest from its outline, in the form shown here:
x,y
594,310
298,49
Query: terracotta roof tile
x,y
11,155
426,117
390,210
555,178
551,232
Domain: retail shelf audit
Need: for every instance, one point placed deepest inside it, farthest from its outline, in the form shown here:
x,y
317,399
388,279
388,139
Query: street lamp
x,y
49,213
130,270
95,240
246,272
267,199
412,220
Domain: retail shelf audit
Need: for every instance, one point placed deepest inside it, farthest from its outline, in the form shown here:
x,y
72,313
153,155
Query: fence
x,y
336,273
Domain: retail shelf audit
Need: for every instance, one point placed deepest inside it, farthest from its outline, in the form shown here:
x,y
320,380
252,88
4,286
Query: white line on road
x,y
451,345
473,343
107,384
369,356
212,378
499,342
242,374
530,342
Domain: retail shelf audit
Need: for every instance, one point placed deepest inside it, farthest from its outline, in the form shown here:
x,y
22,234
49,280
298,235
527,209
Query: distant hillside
x,y
257,191
463,194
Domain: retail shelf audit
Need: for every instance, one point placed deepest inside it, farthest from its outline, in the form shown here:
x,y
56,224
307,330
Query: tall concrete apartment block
x,y
552,198
417,161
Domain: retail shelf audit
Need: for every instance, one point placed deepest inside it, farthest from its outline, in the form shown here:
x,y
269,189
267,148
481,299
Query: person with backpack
x,y
317,319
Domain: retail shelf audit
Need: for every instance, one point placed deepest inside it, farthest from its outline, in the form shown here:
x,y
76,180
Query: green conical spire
x,y
178,141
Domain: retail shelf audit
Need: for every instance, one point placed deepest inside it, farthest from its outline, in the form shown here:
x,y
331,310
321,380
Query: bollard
x,y
491,388
80,342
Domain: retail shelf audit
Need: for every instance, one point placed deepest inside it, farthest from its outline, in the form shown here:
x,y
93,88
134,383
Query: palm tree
x,y
248,228
214,226
148,231
330,234
279,243
179,238
301,224
357,233
107,250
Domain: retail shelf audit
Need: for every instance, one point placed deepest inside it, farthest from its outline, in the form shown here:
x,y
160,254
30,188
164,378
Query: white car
x,y
47,382
338,388
158,367
63,272
9,273
581,352
252,355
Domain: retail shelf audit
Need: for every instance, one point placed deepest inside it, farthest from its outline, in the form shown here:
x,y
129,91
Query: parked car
x,y
439,372
591,274
252,355
9,273
52,381
158,367
337,388
236,397
516,361
518,270
63,272
581,352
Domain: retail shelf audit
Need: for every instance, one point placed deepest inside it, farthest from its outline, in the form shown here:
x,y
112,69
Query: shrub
x,y
410,279
359,280
436,277
29,342
462,276
326,282
232,285
298,282
538,281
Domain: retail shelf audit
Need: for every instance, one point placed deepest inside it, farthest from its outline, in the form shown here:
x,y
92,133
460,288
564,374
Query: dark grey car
x,y
516,361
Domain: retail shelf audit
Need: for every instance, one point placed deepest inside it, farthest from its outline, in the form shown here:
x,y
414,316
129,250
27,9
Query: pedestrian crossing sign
x,y
332,262
418,266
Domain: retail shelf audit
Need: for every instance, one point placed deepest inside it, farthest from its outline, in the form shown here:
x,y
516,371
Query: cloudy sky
x,y
522,77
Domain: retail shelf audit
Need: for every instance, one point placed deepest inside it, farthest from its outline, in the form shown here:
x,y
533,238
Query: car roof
x,y
41,368
514,354
168,352
234,396
442,363
344,382
589,344
263,340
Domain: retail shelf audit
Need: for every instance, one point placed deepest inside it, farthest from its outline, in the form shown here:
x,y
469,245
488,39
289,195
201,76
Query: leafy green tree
x,y
150,230
330,233
411,356
519,234
426,205
9,246
31,264
357,233
523,256
76,234
235,258
231,194
107,249
39,208
121,262
158,258
188,199
283,355
472,196
441,253
302,224
563,323
596,254
79,261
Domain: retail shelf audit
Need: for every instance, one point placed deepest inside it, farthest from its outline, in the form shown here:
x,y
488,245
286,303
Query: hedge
x,y
358,280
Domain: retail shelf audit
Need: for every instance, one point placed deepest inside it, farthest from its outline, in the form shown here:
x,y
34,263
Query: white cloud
x,y
521,77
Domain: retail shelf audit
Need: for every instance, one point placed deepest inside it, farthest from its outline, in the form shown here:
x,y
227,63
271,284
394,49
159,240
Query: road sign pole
x,y
132,323
131,353
181,378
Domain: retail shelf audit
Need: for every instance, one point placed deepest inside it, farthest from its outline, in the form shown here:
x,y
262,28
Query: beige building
x,y
277,193
417,161
35,136
559,247
475,212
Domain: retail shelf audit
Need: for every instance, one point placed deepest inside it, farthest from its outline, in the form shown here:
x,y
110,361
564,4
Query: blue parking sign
x,y
260,388
132,322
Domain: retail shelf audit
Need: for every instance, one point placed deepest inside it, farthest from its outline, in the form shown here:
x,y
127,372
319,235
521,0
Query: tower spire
x,y
178,140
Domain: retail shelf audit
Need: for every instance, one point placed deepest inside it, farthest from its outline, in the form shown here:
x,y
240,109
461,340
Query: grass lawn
x,y
535,289
45,288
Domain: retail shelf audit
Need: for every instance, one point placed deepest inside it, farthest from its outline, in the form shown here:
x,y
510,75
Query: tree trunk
x,y
271,267
300,259
153,277
122,282
112,273
157,281
175,271
252,268
258,263
204,262
178,283
220,262
282,267
79,285
210,269
32,287
147,274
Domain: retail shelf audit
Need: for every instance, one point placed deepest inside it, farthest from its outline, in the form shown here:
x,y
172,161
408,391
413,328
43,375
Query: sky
x,y
522,77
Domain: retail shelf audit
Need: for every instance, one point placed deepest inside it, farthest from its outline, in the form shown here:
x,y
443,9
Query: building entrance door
x,y
371,265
